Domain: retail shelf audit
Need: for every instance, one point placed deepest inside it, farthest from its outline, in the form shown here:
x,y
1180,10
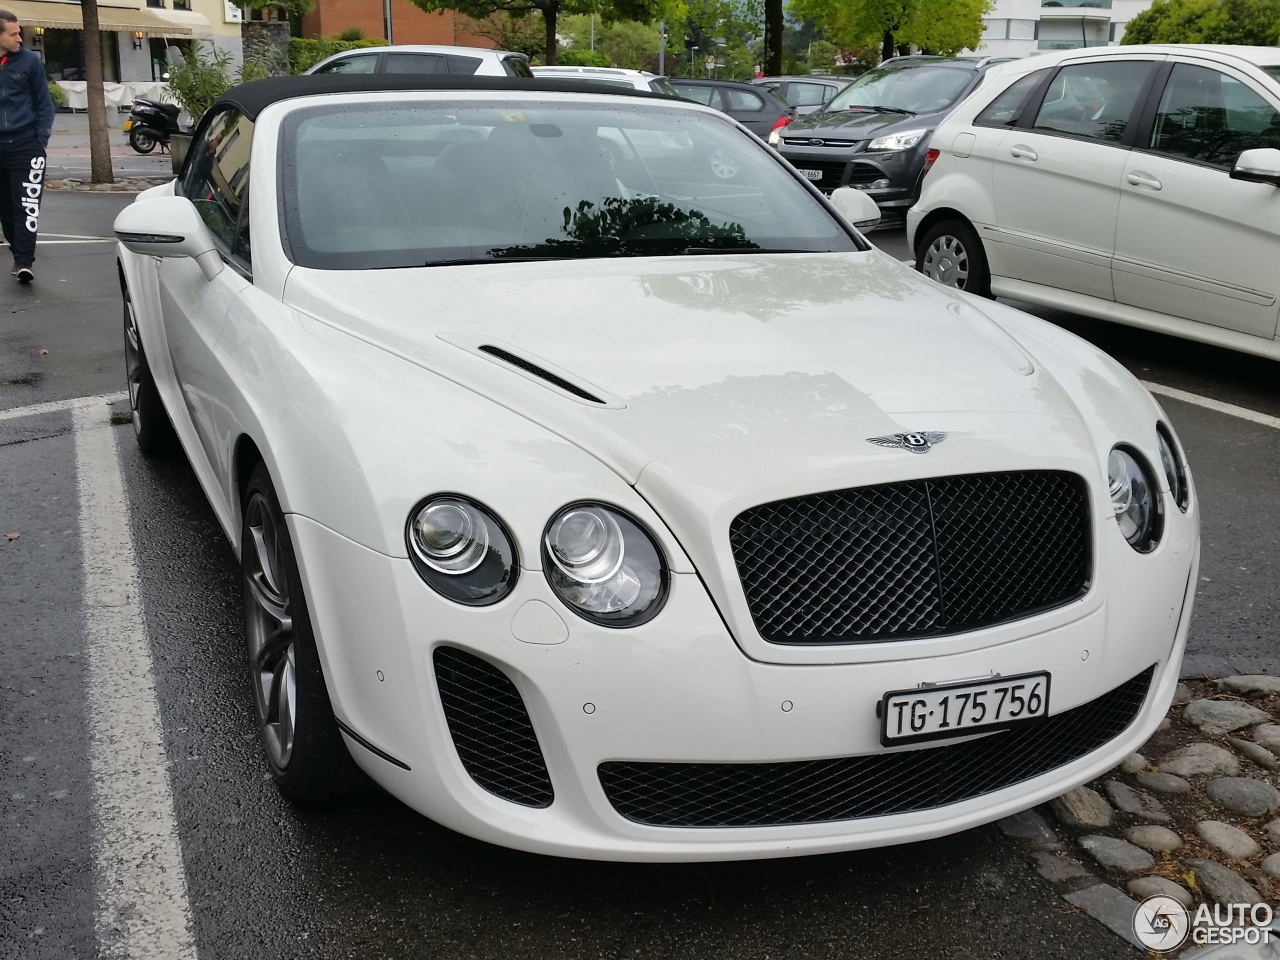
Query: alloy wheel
x,y
723,165
947,262
269,630
133,362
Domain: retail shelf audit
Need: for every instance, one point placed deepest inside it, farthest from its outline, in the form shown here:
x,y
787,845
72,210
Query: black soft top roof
x,y
252,98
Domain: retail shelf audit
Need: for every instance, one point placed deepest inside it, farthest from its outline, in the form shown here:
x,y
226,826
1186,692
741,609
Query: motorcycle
x,y
151,122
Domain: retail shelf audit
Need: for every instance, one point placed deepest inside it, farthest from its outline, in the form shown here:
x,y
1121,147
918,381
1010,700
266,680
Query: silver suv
x,y
418,58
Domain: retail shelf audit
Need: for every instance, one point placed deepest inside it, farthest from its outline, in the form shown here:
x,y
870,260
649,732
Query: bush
x,y
351,34
305,54
583,58
199,78
58,94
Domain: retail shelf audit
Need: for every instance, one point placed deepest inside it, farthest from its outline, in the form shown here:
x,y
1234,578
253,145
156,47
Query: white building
x,y
1024,27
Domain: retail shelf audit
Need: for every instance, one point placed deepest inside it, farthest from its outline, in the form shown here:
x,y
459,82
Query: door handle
x,y
1142,180
1025,152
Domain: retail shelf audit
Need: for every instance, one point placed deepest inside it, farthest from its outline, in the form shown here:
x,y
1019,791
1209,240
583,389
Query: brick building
x,y
409,24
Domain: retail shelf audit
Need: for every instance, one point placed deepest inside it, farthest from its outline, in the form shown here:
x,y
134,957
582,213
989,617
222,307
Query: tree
x,y
1248,22
938,26
550,11
521,34
95,94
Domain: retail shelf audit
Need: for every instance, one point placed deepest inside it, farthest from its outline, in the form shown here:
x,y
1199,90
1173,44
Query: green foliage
x,y
1249,22
280,9
520,33
305,54
938,26
583,58
626,43
351,34
58,94
200,77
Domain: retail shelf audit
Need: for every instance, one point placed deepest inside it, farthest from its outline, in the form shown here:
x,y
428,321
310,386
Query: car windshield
x,y
1274,71
418,184
905,89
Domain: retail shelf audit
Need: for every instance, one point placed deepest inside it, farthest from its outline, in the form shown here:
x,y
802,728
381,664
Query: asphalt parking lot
x,y
368,878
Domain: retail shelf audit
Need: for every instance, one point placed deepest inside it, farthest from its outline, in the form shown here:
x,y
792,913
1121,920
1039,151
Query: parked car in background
x,y
420,58
604,508
635,79
1139,184
873,135
759,110
807,94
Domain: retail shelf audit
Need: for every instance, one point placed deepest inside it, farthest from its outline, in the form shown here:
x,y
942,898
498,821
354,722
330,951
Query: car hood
x,y
713,355
857,124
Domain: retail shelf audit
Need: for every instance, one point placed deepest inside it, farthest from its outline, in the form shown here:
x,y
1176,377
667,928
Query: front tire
x,y
951,253
305,752
151,426
141,141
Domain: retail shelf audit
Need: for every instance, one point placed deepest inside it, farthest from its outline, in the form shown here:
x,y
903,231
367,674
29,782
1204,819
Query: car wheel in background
x,y
951,253
299,733
151,424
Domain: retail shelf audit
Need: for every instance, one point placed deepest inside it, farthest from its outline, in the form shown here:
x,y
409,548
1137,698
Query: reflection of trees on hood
x,y
773,286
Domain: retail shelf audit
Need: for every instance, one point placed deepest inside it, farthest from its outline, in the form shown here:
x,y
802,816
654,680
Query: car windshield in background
x,y
663,85
405,185
907,90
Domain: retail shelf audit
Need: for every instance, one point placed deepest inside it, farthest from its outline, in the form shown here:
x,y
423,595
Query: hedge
x,y
304,54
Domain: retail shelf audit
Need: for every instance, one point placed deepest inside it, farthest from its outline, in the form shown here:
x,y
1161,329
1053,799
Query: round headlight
x,y
1134,499
604,565
1175,471
461,550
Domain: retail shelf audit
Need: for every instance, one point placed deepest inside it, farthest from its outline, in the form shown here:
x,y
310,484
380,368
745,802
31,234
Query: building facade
x,y
138,38
1022,28
409,24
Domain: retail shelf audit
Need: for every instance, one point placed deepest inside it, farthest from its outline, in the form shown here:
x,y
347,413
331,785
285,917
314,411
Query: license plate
x,y
962,709
812,174
127,125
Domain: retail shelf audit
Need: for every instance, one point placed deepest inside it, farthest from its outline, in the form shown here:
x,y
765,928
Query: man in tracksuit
x,y
26,120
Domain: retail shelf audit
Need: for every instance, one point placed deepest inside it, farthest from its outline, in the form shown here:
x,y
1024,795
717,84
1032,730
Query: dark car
x,y
759,110
808,94
874,135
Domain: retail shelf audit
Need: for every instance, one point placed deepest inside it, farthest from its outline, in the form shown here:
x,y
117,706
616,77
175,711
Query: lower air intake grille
x,y
850,788
491,729
916,559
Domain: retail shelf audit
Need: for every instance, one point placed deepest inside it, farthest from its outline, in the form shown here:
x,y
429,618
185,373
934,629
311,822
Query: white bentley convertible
x,y
597,501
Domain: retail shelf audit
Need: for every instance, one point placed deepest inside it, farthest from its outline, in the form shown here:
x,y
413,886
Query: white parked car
x,y
598,506
617,76
1138,184
426,58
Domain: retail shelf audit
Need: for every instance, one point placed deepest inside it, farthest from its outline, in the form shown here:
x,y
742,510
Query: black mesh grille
x,y
916,559
849,788
491,729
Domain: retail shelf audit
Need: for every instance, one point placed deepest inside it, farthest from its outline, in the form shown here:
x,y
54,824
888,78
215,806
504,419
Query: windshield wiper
x,y
883,109
470,261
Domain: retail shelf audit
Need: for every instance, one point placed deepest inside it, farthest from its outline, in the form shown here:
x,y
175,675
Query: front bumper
x,y
891,179
679,690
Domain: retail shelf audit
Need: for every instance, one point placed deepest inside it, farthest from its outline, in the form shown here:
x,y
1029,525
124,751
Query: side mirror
x,y
1258,166
168,227
856,207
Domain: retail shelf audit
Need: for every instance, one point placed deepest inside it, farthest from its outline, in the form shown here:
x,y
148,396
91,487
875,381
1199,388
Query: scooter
x,y
151,122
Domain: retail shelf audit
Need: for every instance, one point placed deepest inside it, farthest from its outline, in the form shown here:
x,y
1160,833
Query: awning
x,y
197,23
66,16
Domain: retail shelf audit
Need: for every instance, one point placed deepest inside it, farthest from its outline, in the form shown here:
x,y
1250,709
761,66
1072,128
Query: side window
x,y
216,180
416,63
1209,117
699,94
1093,100
807,94
1003,110
365,63
743,100
517,67
466,66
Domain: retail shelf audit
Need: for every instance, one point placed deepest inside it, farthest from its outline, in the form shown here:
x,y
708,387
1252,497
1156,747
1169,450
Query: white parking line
x,y
1244,413
141,910
54,406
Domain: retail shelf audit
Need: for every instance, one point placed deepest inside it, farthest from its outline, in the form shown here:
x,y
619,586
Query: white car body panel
x,y
1087,232
729,381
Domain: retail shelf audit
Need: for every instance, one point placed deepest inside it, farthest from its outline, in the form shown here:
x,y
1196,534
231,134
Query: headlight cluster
x,y
1135,495
601,562
896,141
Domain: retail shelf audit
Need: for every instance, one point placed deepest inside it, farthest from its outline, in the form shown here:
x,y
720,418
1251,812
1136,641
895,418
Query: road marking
x,y
1244,413
141,910
54,406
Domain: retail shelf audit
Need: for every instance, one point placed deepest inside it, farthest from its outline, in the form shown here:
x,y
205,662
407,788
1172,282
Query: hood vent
x,y
537,371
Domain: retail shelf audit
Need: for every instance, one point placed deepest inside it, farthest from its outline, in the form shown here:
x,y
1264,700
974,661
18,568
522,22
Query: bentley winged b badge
x,y
915,442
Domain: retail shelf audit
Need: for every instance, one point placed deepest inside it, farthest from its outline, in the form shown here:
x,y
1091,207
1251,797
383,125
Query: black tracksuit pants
x,y
21,186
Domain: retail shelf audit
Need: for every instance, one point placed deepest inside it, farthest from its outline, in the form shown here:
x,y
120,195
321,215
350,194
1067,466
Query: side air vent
x,y
537,371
